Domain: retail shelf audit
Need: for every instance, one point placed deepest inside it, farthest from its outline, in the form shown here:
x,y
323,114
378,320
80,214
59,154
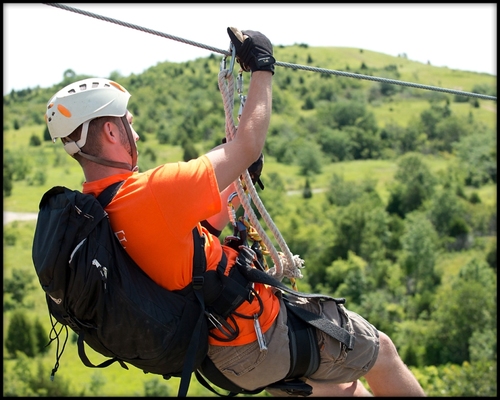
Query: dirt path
x,y
10,216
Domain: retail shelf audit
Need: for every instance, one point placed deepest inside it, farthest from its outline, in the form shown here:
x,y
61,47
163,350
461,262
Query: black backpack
x,y
95,288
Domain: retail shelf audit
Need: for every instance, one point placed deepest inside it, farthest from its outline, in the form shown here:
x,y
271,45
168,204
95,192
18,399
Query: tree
x,y
35,141
340,192
155,388
7,178
360,227
418,257
41,337
446,211
335,144
414,184
431,117
466,306
20,335
478,157
307,192
348,112
449,131
18,286
364,143
31,379
352,284
309,158
190,151
46,134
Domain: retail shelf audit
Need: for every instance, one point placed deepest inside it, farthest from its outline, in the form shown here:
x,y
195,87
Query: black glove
x,y
254,51
255,170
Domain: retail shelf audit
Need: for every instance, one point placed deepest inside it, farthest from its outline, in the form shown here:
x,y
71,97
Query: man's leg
x,y
389,376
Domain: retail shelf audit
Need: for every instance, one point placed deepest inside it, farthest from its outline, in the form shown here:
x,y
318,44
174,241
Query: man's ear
x,y
111,132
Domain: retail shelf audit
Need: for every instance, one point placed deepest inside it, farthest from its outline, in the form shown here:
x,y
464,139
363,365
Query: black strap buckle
x,y
198,282
295,387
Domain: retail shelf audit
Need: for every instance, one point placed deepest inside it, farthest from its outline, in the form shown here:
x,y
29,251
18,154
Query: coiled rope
x,y
285,263
278,63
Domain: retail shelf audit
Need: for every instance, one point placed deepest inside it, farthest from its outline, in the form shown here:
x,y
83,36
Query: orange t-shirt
x,y
153,215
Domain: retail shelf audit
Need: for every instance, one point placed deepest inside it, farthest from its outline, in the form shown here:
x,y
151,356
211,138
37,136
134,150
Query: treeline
x,y
317,117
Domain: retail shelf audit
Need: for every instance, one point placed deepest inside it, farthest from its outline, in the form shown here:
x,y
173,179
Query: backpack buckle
x,y
198,282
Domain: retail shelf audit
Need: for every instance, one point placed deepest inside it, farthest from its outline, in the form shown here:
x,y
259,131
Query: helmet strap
x,y
104,161
133,144
73,148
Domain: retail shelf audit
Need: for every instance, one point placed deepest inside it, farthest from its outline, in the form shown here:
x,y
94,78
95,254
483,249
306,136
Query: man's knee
x,y
387,346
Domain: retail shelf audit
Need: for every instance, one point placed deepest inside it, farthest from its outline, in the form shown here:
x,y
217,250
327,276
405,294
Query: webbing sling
x,y
256,275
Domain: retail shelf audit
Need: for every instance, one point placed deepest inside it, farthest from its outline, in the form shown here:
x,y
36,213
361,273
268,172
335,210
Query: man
x,y
154,212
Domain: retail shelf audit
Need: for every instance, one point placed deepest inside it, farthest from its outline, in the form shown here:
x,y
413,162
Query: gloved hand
x,y
254,51
255,170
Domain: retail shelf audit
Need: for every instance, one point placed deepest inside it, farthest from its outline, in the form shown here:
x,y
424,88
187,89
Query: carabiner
x,y
231,64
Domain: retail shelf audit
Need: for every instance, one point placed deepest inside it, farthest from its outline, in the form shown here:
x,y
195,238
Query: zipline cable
x,y
278,63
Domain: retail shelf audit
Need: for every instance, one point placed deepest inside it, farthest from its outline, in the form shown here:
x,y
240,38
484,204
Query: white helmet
x,y
81,102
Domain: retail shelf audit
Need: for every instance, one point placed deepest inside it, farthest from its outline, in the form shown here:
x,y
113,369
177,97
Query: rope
x,y
278,63
285,264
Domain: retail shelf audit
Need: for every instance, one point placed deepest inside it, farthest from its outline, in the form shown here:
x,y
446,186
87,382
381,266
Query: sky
x,y
41,42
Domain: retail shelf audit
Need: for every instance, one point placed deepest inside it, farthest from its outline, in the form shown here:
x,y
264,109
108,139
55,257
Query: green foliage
x,y
307,192
31,379
414,184
447,213
449,131
20,335
190,151
41,337
309,158
478,156
466,306
18,164
342,193
35,141
360,227
46,134
478,379
155,388
418,256
336,144
8,174
18,285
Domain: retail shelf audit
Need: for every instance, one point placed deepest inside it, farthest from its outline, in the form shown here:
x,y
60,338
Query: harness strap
x,y
224,294
256,275
304,350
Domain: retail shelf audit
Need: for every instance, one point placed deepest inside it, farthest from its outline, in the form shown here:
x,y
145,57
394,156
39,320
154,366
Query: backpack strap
x,y
199,267
107,194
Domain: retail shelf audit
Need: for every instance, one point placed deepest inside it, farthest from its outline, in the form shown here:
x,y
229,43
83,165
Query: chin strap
x,y
104,161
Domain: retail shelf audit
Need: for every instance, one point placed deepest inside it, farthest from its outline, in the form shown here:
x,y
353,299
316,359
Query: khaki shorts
x,y
251,369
